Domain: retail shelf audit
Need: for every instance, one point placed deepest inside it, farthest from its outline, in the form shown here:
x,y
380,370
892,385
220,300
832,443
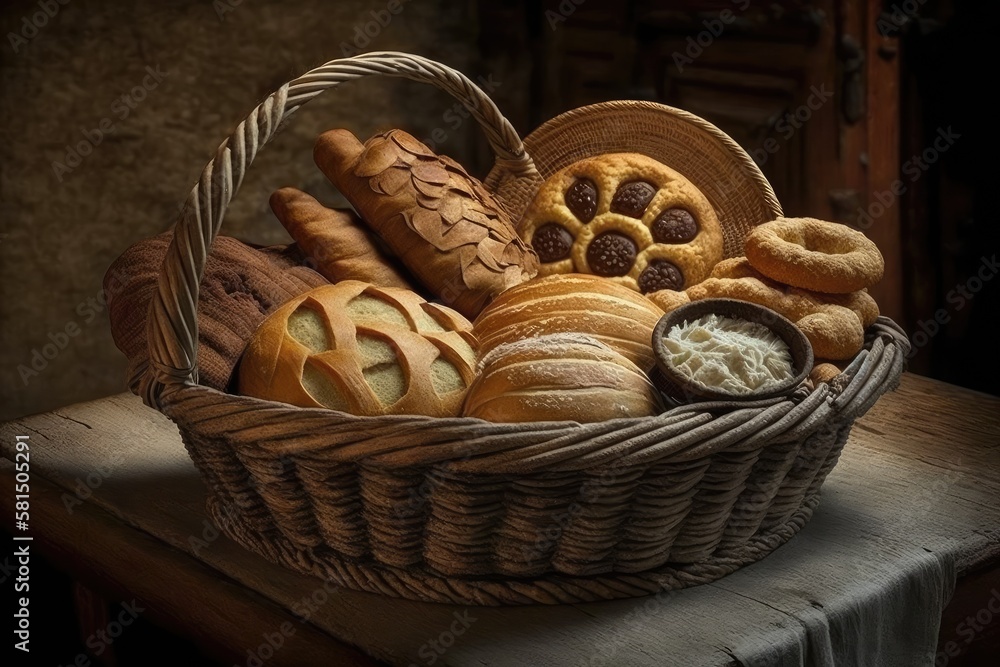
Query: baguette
x,y
333,240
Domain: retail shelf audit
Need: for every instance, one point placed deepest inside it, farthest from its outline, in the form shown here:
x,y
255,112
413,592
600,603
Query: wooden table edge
x,y
86,560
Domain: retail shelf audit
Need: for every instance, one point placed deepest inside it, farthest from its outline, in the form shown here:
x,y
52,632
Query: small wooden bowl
x,y
679,389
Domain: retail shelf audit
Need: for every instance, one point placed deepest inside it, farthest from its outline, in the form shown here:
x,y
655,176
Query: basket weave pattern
x,y
467,511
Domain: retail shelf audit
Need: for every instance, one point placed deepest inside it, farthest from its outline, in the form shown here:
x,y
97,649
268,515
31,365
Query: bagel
x,y
814,255
736,267
860,302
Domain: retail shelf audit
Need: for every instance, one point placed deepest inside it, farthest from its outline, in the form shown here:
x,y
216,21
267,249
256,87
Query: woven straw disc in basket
x,y
705,155
466,511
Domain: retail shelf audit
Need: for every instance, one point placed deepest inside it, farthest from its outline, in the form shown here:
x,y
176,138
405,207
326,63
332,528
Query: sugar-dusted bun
x,y
362,349
617,316
559,377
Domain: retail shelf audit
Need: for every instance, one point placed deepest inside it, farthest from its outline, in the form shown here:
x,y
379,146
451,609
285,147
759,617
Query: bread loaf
x,y
443,224
615,315
559,377
240,286
334,242
362,349
824,371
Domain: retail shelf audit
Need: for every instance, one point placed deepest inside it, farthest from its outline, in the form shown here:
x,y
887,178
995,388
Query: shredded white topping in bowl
x,y
728,354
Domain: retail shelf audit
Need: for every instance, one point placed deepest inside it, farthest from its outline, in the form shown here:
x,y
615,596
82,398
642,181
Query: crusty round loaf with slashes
x,y
617,316
559,377
364,350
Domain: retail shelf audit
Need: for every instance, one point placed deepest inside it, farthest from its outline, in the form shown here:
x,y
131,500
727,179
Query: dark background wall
x,y
62,229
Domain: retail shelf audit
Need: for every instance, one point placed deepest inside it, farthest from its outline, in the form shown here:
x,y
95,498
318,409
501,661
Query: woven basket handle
x,y
172,326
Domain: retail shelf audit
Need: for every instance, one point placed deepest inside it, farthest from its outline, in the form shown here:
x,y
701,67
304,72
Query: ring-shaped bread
x,y
815,255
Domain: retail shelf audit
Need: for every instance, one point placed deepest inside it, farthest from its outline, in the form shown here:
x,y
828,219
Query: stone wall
x,y
110,110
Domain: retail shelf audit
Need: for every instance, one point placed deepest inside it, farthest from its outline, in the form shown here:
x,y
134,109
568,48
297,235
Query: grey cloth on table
x,y
891,621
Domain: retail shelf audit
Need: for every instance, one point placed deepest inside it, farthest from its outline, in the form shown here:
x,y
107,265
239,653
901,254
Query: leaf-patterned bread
x,y
442,223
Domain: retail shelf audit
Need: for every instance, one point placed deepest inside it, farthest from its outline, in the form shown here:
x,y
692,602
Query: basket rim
x,y
468,444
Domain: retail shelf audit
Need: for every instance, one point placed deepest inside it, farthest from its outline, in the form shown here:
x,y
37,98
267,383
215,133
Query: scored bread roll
x,y
361,349
334,240
443,224
615,315
559,377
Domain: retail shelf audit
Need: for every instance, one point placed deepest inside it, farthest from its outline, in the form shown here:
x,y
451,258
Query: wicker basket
x,y
465,511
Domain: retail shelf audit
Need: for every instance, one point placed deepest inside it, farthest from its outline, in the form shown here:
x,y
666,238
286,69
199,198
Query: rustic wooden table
x,y
116,502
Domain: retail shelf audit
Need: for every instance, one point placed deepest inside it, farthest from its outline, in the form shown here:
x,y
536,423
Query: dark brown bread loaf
x,y
242,284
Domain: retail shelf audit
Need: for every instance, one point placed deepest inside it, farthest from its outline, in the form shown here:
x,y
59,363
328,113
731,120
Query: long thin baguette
x,y
334,240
